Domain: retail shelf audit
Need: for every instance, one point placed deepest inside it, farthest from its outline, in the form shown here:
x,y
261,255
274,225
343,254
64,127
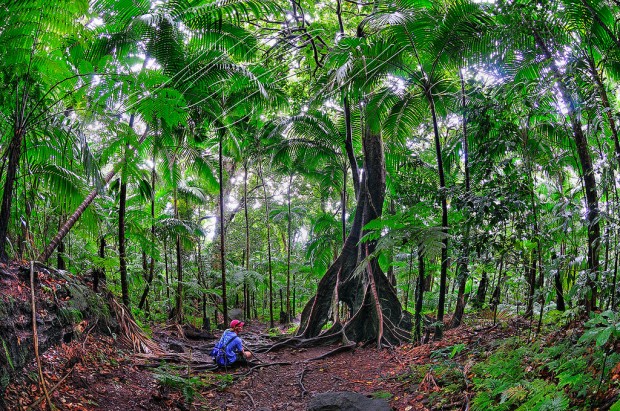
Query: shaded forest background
x,y
358,159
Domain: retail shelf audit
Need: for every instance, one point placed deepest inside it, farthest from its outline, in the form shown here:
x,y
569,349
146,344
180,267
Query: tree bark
x,y
13,154
149,280
375,312
419,298
463,261
444,220
222,229
122,254
587,171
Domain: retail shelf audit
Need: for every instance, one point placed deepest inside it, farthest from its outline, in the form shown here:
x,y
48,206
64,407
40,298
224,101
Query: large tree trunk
x,y
375,312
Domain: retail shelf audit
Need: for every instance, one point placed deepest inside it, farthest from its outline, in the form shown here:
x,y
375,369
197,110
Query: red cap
x,y
236,323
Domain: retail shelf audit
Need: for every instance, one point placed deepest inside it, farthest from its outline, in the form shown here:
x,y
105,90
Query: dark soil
x,y
104,375
100,372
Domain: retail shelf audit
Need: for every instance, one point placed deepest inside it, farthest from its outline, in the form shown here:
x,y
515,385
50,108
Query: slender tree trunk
x,y
99,272
614,282
167,273
222,230
60,263
13,154
247,239
463,261
409,275
122,254
178,307
559,292
530,270
444,221
496,296
288,253
271,323
419,298
343,202
588,175
145,293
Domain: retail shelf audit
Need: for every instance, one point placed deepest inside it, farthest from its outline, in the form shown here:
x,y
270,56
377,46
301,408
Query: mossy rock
x,y
61,304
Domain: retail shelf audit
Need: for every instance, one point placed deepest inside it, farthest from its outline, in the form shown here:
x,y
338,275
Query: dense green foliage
x,y
216,150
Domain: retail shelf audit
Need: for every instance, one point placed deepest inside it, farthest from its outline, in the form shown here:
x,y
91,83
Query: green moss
x,y
7,354
70,315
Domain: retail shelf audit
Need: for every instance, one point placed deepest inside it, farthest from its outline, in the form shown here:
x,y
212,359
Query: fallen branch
x,y
51,390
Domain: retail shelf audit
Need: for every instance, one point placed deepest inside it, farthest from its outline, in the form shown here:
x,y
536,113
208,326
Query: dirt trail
x,y
102,374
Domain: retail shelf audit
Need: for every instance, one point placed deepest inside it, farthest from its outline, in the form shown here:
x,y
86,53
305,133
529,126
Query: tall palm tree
x,y
194,72
33,38
535,39
428,36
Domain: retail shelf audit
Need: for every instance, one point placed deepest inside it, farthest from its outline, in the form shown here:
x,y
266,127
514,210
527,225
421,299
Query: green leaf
x,y
603,337
615,407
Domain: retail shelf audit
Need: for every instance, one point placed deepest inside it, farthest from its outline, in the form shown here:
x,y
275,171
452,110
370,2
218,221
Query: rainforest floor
x,y
99,372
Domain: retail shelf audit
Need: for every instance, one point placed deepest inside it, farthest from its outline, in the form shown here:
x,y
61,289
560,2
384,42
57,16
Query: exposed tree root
x,y
334,351
301,382
355,279
259,366
250,397
331,336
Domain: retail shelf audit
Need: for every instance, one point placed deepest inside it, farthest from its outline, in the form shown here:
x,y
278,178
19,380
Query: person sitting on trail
x,y
229,349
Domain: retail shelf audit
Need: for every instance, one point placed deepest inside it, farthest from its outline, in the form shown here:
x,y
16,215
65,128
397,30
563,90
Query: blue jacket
x,y
226,349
